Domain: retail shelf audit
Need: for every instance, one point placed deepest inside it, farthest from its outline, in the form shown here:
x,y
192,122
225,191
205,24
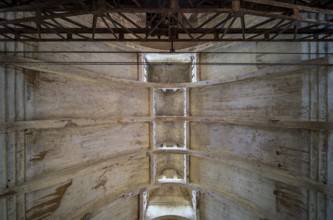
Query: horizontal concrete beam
x,y
72,122
262,121
68,122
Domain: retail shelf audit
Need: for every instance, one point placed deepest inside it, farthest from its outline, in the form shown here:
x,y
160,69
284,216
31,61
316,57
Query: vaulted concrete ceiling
x,y
127,130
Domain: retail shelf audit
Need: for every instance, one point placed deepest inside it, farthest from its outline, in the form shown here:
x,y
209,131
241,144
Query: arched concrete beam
x,y
97,78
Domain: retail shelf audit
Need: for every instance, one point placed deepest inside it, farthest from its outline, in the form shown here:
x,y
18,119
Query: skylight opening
x,y
185,63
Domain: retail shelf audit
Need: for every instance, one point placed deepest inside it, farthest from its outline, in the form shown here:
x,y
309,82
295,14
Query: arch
x,y
171,217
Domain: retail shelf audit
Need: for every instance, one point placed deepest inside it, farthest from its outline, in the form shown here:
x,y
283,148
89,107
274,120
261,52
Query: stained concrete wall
x,y
73,146
52,96
69,171
11,109
285,149
220,208
252,98
296,95
115,210
107,71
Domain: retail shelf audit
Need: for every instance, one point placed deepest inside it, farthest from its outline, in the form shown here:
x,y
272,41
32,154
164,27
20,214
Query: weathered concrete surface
x,y
78,147
116,71
284,149
169,73
100,182
169,103
170,200
170,161
73,146
276,96
212,208
212,174
54,172
50,96
170,132
115,210
214,72
295,95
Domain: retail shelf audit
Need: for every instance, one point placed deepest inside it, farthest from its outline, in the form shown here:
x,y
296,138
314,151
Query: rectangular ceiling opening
x,y
169,68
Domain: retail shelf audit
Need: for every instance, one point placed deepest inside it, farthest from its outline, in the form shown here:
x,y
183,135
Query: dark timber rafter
x,y
168,20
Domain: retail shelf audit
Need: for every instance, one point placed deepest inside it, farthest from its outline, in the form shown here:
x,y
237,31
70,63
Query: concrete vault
x,y
209,111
